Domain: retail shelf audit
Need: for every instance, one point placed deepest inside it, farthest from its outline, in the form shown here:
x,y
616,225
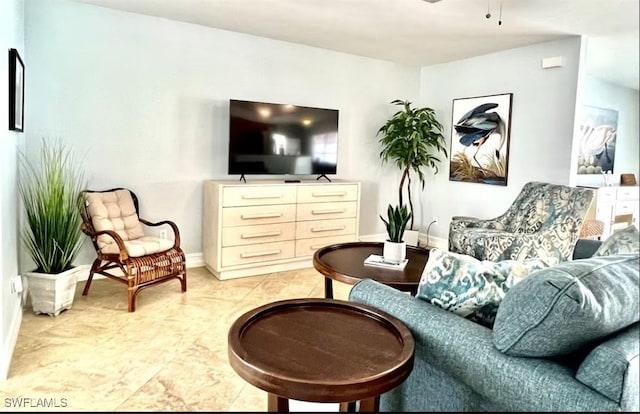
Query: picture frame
x,y
598,130
16,91
480,139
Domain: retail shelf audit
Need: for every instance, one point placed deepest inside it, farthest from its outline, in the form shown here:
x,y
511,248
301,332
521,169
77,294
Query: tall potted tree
x,y
49,189
412,139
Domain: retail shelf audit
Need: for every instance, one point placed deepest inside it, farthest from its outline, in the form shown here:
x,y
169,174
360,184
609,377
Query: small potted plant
x,y
395,248
49,189
412,139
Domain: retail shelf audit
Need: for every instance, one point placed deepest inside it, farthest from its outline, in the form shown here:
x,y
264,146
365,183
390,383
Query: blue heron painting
x,y
480,136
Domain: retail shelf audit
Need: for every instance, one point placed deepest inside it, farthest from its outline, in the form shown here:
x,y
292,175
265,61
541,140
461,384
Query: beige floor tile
x,y
168,355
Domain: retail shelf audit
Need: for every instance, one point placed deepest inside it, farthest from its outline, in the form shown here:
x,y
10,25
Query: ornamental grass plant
x,y
49,189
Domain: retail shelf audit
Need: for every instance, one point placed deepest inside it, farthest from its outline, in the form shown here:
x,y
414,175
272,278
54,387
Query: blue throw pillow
x,y
470,287
561,309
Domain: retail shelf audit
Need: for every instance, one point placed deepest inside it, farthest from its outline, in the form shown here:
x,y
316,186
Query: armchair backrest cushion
x,y
527,213
542,205
113,210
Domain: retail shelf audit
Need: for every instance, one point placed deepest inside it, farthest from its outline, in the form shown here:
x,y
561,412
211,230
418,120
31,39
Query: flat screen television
x,y
272,138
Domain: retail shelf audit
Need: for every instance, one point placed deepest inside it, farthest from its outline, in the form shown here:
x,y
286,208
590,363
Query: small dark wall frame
x,y
16,91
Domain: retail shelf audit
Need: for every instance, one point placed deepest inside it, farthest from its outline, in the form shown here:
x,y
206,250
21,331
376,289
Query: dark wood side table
x,y
321,350
344,262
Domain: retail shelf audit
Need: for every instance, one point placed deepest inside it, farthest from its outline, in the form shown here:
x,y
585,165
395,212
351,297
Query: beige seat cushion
x,y
114,210
140,247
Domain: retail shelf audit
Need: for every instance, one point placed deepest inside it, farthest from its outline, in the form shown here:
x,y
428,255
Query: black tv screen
x,y
272,138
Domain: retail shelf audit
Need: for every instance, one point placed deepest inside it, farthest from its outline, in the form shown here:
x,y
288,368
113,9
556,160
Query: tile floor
x,y
169,355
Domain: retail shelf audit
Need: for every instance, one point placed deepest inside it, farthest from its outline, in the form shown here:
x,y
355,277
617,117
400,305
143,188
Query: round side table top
x,y
344,262
321,350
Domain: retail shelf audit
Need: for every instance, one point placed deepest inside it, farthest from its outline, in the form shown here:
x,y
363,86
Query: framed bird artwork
x,y
597,134
480,134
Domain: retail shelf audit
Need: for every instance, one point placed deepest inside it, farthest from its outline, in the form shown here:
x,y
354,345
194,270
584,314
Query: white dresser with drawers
x,y
265,226
617,207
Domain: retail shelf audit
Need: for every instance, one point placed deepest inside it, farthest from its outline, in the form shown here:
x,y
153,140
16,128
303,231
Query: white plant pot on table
x,y
394,252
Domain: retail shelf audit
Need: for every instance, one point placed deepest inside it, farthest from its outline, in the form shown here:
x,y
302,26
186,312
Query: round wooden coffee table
x,y
344,262
321,350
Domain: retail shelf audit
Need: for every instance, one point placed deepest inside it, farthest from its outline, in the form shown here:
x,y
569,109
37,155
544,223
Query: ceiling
x,y
422,32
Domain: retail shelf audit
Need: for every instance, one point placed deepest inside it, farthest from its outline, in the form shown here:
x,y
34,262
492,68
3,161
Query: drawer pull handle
x,y
335,194
319,229
259,216
263,234
258,254
328,211
260,197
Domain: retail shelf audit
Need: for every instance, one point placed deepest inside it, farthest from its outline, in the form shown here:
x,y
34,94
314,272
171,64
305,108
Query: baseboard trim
x,y
433,242
436,242
10,344
194,260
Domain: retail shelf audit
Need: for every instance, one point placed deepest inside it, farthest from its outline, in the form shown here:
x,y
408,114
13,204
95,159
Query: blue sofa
x,y
458,368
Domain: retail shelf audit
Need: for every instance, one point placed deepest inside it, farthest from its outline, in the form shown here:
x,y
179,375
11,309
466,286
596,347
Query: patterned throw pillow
x,y
625,241
470,287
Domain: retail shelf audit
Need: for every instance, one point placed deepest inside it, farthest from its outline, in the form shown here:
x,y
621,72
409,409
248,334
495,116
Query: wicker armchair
x,y
125,253
545,220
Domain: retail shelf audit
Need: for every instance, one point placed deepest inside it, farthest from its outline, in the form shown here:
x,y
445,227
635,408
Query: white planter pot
x,y
52,293
411,237
394,252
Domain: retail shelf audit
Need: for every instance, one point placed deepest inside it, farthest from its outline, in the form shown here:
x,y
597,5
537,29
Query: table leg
x,y
278,404
370,405
347,407
328,288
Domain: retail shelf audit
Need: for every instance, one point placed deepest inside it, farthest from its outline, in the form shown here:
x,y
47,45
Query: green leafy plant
x,y
412,139
49,190
397,219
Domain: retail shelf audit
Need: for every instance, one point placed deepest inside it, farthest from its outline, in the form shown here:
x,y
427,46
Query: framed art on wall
x,y
16,91
480,132
598,129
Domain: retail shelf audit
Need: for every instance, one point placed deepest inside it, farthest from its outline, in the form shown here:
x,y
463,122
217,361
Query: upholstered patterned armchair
x,y
544,221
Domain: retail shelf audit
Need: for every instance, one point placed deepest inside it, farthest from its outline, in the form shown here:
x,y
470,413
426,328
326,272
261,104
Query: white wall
x,y
603,94
11,36
541,125
146,99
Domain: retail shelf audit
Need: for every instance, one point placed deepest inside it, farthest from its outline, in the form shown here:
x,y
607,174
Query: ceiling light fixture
x,y
488,15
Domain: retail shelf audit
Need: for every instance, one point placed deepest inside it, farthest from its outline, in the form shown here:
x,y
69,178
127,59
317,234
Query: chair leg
x,y
94,268
183,282
132,299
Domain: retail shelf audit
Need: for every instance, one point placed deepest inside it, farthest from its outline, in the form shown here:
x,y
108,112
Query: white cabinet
x,y
616,207
266,226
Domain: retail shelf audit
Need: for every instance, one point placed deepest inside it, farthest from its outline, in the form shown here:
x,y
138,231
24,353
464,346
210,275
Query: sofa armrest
x,y
585,248
611,368
465,350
